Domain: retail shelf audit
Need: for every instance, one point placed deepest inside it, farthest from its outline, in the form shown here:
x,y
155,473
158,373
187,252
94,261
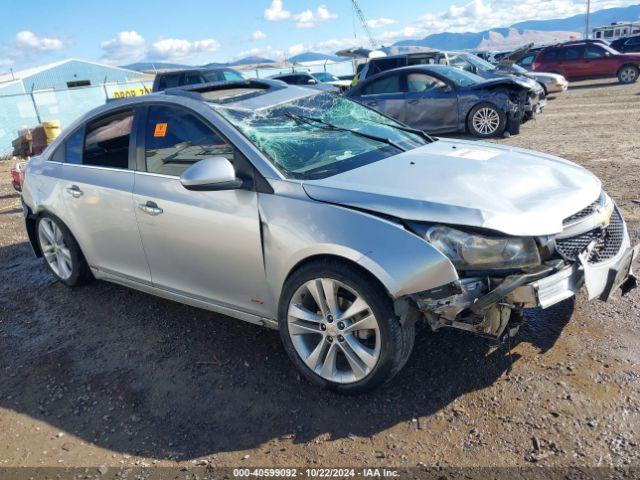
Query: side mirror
x,y
311,81
215,173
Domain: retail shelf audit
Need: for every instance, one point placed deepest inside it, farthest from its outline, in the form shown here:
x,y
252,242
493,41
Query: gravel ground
x,y
105,376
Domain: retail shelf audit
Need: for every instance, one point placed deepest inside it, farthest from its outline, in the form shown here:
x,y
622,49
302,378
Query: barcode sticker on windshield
x,y
160,130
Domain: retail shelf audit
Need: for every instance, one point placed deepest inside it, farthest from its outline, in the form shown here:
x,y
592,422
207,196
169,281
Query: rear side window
x,y
573,53
176,139
222,76
382,65
389,84
192,78
169,81
73,147
107,141
527,60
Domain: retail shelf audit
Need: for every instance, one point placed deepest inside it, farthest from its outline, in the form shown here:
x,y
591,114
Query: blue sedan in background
x,y
441,99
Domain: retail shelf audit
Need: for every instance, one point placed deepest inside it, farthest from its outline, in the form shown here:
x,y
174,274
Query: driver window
x,y
420,82
176,139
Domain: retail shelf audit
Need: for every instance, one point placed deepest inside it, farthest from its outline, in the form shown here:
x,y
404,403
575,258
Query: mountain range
x,y
538,31
554,29
303,57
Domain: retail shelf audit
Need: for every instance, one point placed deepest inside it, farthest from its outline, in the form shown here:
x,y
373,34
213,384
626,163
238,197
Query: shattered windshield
x,y
321,135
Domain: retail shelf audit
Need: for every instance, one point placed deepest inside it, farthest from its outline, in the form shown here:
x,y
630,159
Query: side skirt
x,y
181,298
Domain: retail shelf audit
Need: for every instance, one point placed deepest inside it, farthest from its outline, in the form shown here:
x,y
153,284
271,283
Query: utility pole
x,y
586,27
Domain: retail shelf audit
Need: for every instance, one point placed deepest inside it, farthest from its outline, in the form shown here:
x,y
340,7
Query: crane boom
x,y
365,26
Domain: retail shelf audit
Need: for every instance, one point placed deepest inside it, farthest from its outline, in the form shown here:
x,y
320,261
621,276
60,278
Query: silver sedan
x,y
306,212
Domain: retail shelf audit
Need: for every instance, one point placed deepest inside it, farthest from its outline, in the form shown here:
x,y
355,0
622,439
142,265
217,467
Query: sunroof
x,y
231,94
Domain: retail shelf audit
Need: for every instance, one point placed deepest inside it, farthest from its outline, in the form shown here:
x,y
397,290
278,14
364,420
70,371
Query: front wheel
x,y
486,120
338,326
628,74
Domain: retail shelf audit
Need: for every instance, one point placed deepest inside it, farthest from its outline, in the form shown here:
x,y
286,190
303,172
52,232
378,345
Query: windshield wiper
x,y
415,131
330,126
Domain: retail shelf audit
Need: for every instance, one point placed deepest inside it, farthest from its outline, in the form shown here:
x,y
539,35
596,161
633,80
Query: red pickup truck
x,y
588,60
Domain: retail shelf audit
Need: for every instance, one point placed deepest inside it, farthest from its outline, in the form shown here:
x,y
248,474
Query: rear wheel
x,y
486,120
628,74
61,252
339,328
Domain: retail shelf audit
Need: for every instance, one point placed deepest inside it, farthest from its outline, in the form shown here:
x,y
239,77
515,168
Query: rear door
x,y
203,244
570,62
431,105
98,195
385,95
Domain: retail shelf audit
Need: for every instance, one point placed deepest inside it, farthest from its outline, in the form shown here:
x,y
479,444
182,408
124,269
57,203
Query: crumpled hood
x,y
506,80
475,184
494,77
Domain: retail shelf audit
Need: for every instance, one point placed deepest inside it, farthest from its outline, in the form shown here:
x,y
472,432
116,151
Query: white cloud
x,y
296,49
276,12
6,62
126,47
309,18
28,41
380,22
479,15
258,35
178,48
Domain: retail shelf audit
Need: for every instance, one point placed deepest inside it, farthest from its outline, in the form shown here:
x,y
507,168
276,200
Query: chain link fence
x,y
27,110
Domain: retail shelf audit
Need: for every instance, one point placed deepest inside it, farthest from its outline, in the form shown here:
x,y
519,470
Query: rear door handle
x,y
150,208
74,191
413,102
372,104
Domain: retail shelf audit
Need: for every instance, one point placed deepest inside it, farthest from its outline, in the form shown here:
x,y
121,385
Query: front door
x,y
599,62
98,196
431,105
203,244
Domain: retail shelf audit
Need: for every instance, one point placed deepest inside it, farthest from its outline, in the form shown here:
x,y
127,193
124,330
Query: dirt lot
x,y
102,375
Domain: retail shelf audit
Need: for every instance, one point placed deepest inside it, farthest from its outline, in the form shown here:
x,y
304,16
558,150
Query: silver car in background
x,y
306,212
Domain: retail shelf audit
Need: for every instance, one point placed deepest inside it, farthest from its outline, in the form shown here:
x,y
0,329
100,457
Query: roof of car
x,y
250,94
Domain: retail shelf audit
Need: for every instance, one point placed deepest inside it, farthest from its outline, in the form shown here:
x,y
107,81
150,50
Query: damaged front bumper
x,y
494,307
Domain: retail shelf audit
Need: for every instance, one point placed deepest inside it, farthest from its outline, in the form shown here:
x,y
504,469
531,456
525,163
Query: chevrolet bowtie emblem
x,y
603,214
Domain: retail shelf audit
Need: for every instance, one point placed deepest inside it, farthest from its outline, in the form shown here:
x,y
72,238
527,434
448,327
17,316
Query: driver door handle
x,y
372,104
413,102
150,208
74,191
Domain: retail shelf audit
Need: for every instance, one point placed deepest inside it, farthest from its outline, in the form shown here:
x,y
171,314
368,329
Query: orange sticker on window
x,y
161,130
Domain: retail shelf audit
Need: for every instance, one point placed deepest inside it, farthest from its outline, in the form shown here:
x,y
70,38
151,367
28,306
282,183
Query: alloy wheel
x,y
628,75
486,121
54,248
334,331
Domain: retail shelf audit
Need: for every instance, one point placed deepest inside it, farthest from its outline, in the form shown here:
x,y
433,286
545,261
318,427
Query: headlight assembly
x,y
472,251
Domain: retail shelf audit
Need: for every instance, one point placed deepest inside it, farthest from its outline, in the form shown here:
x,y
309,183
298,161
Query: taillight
x,y
17,177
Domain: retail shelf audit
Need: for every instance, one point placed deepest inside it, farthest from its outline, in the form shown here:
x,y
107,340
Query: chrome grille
x,y
585,212
608,241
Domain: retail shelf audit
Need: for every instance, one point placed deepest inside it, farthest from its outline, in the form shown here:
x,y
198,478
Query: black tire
x,y
628,74
80,271
396,340
502,120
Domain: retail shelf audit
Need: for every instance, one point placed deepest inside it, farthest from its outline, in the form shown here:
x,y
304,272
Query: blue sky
x,y
195,31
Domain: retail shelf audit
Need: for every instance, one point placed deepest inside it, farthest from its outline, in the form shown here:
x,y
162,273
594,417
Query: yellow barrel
x,y
51,130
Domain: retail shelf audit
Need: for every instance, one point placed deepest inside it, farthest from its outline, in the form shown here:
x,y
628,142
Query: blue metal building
x,y
70,73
